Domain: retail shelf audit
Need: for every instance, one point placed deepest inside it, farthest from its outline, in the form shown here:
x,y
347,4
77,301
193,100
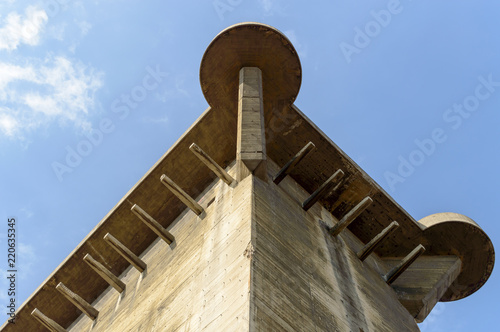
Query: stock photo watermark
x,y
120,106
11,274
363,36
53,7
223,6
454,118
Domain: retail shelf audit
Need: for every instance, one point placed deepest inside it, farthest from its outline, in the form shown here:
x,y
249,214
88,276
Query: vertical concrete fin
x,y
251,138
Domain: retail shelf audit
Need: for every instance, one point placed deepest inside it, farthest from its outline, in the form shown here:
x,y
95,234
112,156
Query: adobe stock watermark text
x,y
453,117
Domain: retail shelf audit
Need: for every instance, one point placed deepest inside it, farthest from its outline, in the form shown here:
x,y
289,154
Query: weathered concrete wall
x,y
254,261
200,282
303,279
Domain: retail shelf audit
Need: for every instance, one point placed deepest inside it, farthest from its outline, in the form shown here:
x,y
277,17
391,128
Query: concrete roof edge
x,y
102,223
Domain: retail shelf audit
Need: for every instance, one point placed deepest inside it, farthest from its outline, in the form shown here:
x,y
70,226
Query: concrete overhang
x,y
287,130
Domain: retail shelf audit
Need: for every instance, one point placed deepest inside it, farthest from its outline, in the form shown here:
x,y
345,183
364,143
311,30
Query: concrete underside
x,y
287,131
253,261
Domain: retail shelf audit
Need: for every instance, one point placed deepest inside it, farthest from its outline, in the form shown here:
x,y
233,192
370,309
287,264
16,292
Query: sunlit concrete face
x,y
254,261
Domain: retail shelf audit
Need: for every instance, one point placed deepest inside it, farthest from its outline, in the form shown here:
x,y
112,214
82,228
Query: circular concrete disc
x,y
250,45
455,234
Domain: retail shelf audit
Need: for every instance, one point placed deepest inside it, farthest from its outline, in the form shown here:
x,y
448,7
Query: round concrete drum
x,y
250,45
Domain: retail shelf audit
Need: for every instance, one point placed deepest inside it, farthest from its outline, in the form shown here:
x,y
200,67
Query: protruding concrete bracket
x,y
47,322
210,163
293,162
424,283
181,194
372,245
153,224
350,216
323,189
125,252
105,273
404,264
79,302
251,138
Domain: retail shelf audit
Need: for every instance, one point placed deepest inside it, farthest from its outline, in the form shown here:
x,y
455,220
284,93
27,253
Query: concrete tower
x,y
254,220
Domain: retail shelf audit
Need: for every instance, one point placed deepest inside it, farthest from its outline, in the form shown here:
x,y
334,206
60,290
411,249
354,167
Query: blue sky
x,y
116,82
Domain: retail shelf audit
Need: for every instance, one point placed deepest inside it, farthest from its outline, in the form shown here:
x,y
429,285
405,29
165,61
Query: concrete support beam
x,y
323,189
293,162
181,194
425,282
210,163
79,302
47,322
152,224
251,138
105,273
350,216
125,252
372,245
396,271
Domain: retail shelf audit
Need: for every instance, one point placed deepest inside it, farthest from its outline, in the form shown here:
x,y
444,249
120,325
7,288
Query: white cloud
x,y
10,73
17,30
8,123
45,104
40,92
84,27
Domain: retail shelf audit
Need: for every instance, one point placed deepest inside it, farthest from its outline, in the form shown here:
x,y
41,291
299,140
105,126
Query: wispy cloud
x,y
8,123
169,93
16,30
435,321
161,121
43,91
272,7
84,27
57,31
267,5
26,212
27,258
